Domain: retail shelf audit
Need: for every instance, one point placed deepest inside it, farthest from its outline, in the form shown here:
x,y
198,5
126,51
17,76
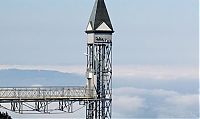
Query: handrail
x,y
53,92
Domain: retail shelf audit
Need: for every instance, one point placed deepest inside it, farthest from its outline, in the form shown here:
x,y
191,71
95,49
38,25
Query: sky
x,y
155,49
50,32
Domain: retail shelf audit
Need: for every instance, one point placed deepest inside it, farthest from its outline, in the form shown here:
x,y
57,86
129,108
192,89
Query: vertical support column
x,y
102,68
105,79
108,81
90,109
17,106
90,70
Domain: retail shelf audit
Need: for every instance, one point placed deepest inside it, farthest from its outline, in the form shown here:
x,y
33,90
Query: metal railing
x,y
32,93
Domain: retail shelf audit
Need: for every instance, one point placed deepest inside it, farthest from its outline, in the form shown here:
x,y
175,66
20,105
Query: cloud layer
x,y
131,102
146,91
157,72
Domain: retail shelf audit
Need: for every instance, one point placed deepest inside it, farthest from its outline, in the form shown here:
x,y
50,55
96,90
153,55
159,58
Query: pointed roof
x,y
99,19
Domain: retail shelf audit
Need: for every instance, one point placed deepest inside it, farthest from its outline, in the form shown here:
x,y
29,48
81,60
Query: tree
x,y
4,115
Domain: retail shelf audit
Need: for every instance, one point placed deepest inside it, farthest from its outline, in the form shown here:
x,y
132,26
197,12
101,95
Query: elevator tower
x,y
96,96
99,62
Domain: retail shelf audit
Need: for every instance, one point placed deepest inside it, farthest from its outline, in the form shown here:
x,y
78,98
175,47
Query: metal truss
x,y
96,96
99,62
49,100
28,93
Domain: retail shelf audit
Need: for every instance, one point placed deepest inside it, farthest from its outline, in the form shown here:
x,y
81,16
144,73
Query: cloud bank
x,y
131,102
157,72
145,91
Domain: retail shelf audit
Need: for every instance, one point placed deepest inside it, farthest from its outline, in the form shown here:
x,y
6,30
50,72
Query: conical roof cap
x,y
99,19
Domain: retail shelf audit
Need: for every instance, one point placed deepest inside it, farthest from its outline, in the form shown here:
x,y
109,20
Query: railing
x,y
33,93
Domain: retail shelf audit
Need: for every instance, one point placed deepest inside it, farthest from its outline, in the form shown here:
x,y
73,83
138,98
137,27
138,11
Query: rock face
x,y
4,115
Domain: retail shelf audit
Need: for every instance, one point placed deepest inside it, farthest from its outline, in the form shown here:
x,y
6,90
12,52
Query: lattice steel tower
x,y
96,96
99,62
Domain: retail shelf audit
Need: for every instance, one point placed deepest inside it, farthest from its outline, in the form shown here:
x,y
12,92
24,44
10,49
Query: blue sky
x,y
52,32
155,49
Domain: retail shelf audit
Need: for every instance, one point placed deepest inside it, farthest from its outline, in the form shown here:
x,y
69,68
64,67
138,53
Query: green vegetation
x,y
4,115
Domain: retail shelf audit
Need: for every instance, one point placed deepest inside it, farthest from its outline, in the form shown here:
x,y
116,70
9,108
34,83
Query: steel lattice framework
x,y
99,63
27,93
40,99
96,96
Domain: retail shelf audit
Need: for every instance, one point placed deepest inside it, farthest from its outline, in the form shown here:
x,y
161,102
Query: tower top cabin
x,y
99,21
